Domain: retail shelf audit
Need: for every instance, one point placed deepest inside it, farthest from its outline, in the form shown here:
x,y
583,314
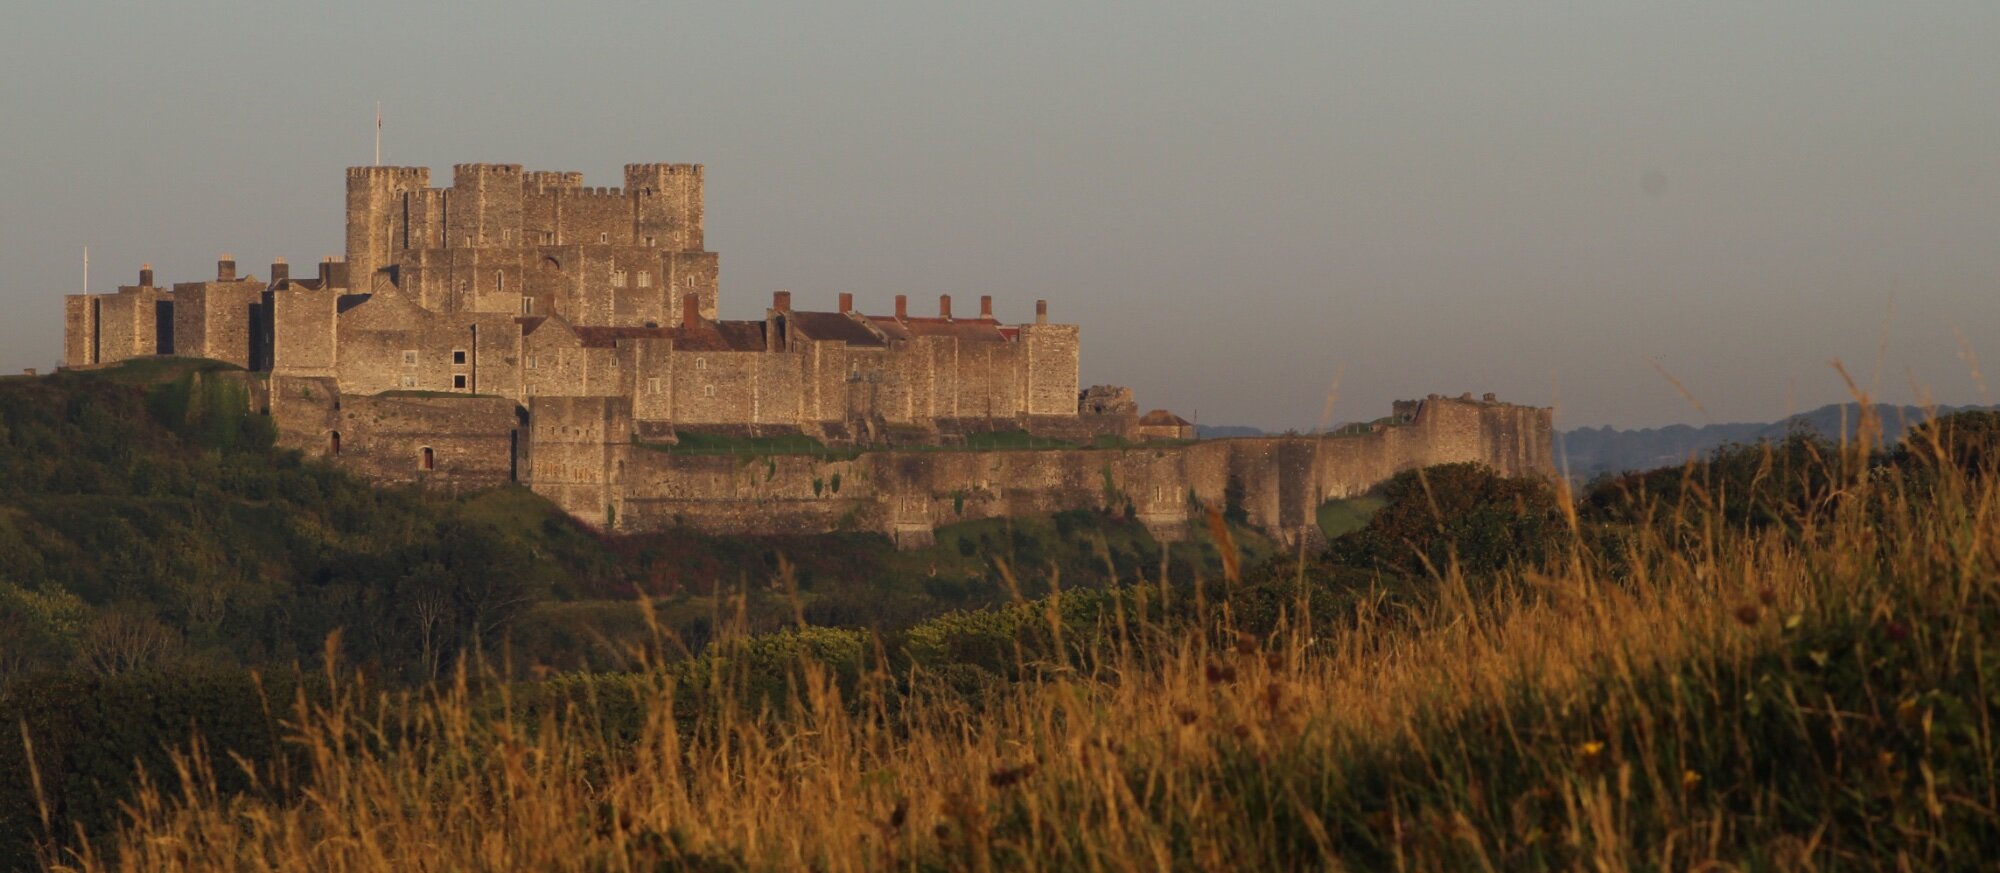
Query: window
x,y
458,381
653,386
333,443
604,237
533,362
409,357
506,235
499,281
708,390
617,278
409,381
527,306
426,459
701,363
645,279
649,241
458,357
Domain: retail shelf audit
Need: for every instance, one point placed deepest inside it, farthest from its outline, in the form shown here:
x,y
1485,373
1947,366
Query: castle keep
x,y
520,326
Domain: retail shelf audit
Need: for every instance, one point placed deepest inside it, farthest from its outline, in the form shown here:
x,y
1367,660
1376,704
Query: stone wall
x,y
1278,482
449,442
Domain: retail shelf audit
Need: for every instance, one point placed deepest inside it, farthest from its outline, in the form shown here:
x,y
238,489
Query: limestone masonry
x,y
520,326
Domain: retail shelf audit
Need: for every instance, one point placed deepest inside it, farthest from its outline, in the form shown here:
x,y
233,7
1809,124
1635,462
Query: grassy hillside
x,y
145,518
1779,658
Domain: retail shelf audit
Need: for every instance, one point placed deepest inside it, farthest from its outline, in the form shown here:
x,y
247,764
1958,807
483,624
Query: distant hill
x,y
1593,450
1216,431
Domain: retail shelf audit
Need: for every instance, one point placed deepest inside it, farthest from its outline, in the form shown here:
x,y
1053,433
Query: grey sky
x,y
1238,202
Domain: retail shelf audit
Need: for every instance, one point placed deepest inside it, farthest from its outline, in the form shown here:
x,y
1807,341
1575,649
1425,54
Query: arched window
x,y
604,237
333,443
427,459
527,306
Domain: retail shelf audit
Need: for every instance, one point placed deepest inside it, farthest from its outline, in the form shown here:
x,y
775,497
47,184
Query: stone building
x,y
520,326
517,284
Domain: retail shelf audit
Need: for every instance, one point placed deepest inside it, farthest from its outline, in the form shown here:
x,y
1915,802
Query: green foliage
x,y
1463,513
1744,486
1966,441
1338,518
94,735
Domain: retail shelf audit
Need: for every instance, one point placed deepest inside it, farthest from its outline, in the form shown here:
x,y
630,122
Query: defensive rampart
x,y
1278,482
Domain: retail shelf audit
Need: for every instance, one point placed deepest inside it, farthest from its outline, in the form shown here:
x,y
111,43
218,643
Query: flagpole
x,y
86,269
378,133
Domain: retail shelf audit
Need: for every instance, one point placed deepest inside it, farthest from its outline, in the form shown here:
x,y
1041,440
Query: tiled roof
x,y
1162,418
966,329
608,337
834,326
742,336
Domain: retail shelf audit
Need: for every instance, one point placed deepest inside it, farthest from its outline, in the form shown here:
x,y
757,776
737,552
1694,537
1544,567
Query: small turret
x,y
225,269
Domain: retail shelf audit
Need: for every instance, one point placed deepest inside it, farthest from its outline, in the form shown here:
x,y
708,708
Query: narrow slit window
x,y
427,459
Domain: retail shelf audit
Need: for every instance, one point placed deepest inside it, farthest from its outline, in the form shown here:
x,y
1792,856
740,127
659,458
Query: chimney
x,y
690,310
225,269
846,302
944,306
902,306
332,273
986,306
1041,312
280,272
781,301
145,275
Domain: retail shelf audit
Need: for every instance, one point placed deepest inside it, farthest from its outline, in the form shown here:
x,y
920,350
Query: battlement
x,y
467,172
420,175
552,180
588,192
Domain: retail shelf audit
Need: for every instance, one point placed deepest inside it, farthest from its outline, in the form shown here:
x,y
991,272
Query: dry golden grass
x,y
1571,719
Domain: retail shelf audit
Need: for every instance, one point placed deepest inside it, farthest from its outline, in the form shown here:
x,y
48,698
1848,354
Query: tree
x,y
1463,513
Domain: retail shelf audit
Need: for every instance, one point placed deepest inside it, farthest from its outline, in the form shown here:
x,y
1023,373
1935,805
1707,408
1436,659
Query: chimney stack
x,y
846,302
332,273
145,275
944,306
225,269
280,272
781,301
902,306
986,306
1041,312
690,310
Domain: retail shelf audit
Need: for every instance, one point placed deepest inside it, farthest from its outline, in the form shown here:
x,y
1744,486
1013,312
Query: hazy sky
x,y
1240,203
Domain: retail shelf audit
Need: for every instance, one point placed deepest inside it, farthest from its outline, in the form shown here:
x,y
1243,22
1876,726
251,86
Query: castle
x,y
520,326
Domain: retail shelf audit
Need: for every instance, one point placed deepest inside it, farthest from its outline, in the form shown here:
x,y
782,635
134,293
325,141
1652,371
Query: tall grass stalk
x,y
1676,693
